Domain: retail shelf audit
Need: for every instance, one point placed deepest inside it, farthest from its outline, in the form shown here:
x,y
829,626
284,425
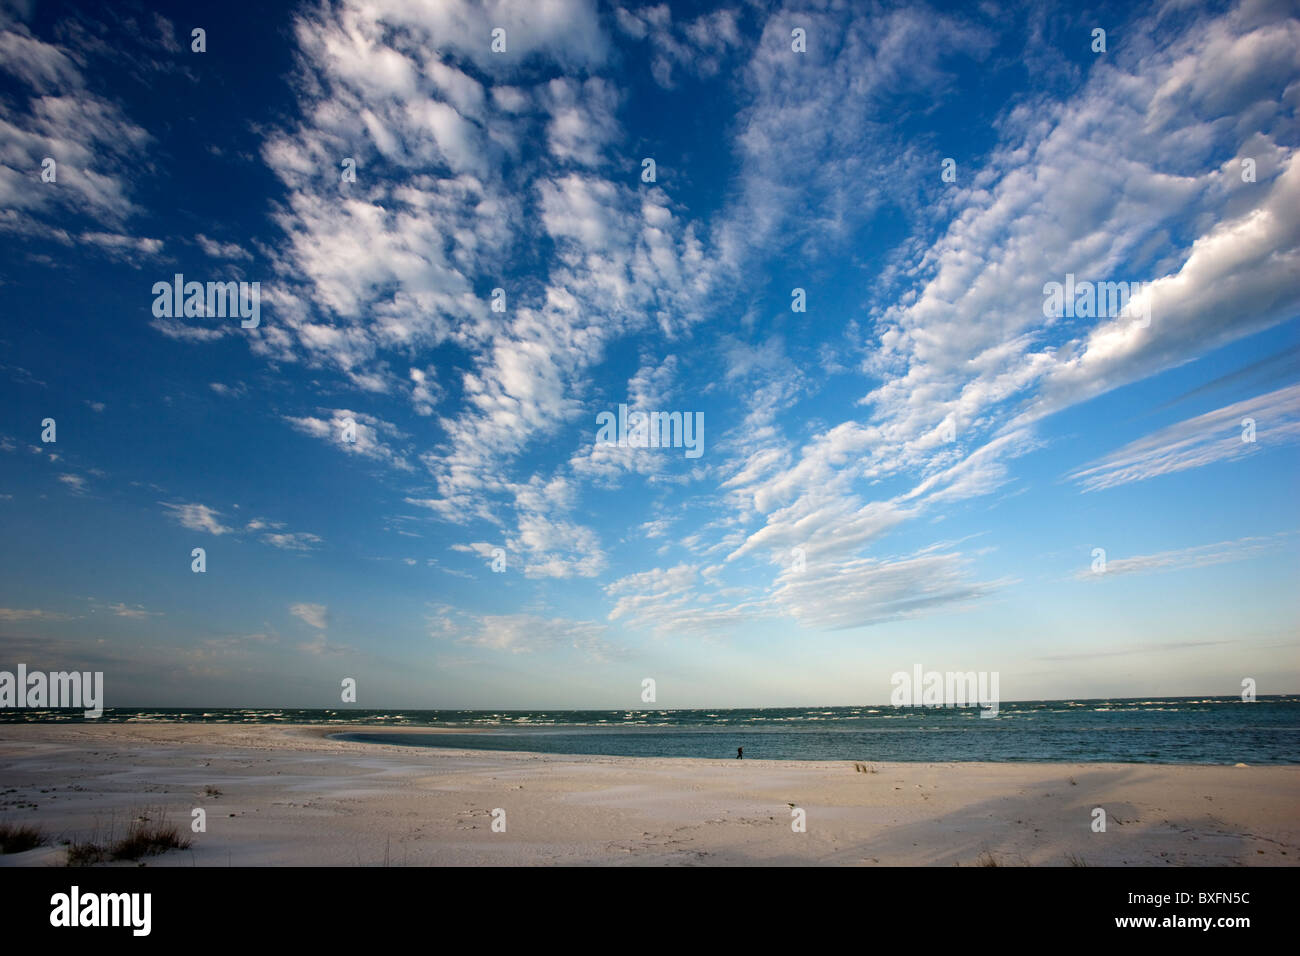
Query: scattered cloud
x,y
316,615
1226,434
197,517
10,614
356,433
1199,556
293,541
221,250
76,483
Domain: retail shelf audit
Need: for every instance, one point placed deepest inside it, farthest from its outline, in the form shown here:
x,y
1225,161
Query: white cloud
x,y
377,269
676,601
94,146
865,591
197,517
320,646
521,633
373,435
316,615
12,614
696,48
1087,187
123,247
293,540
582,119
1199,556
178,329
425,391
221,250
965,359
135,613
1205,439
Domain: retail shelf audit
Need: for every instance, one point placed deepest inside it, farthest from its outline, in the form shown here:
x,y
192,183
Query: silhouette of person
x,y
740,753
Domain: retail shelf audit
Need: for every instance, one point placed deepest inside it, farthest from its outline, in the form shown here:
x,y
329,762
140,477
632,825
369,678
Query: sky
x,y
838,263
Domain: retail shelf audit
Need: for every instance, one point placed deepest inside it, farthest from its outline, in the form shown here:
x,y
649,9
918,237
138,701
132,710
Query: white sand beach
x,y
290,795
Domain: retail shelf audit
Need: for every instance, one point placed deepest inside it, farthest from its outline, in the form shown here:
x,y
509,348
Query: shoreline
x,y
837,761
294,794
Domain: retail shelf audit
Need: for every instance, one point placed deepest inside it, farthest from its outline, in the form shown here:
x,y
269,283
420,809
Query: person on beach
x,y
740,753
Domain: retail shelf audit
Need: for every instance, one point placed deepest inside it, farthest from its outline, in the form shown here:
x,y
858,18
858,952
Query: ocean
x,y
1206,730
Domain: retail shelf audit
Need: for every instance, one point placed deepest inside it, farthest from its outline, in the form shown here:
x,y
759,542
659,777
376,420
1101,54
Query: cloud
x,y
315,615
583,121
449,188
1161,648
179,330
320,646
1199,556
807,184
293,540
386,262
549,546
820,592
866,591
521,633
238,390
657,589
519,172
696,48
425,391
965,361
1091,186
557,548
197,517
95,149
11,614
676,601
39,65
135,613
484,549
75,483
370,434
123,247
221,250
1203,440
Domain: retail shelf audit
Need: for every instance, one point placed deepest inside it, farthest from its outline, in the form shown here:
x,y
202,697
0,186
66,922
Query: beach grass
x,y
145,836
21,837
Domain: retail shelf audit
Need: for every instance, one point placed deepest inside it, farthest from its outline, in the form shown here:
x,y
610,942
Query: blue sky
x,y
915,469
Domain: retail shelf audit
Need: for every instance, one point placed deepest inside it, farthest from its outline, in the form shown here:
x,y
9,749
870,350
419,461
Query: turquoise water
x,y
1215,730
